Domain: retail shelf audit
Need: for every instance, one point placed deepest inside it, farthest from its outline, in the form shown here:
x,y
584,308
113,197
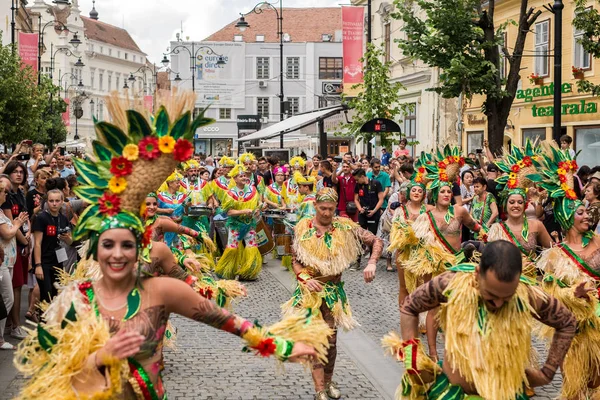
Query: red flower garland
x,y
147,237
110,204
266,347
120,166
149,148
183,150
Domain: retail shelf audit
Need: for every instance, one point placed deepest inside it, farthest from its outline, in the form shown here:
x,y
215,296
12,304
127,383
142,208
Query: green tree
x,y
460,38
378,99
587,21
25,106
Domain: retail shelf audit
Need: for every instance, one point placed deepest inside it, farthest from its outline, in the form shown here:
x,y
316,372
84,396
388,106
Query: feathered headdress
x,y
297,162
237,170
246,158
226,162
133,155
190,164
445,168
555,174
280,170
518,165
302,180
419,177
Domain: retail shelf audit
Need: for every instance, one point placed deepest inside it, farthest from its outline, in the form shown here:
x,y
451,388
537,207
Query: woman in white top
x,y
8,231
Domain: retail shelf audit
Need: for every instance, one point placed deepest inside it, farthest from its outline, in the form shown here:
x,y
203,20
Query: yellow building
x,y
532,110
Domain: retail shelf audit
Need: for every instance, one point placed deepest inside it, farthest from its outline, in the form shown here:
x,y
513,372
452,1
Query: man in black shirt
x,y
329,176
491,175
368,196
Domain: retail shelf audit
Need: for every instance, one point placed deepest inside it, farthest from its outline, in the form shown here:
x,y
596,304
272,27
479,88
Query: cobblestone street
x,y
209,364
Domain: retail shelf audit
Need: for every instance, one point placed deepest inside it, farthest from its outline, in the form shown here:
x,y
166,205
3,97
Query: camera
x,y
63,231
23,157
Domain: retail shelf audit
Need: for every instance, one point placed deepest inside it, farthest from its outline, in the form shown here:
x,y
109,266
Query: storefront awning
x,y
293,123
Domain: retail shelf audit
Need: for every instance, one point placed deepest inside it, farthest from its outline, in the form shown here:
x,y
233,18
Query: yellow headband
x,y
326,195
237,170
191,164
226,162
246,158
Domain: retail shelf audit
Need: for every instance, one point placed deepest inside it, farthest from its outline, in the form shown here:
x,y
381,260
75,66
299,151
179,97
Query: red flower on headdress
x,y
563,165
147,238
110,204
444,177
120,166
562,178
149,148
422,170
442,164
515,168
266,347
571,194
183,150
461,162
574,165
527,161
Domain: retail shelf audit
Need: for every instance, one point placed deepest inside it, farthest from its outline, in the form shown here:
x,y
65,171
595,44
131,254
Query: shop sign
x,y
248,122
473,120
542,91
582,107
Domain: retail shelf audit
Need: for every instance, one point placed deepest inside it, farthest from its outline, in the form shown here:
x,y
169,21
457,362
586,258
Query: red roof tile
x,y
109,34
302,24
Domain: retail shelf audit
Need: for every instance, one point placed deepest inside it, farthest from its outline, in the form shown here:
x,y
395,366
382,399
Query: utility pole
x,y
557,124
369,145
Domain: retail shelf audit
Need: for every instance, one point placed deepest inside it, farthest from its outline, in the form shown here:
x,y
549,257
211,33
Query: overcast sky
x,y
153,23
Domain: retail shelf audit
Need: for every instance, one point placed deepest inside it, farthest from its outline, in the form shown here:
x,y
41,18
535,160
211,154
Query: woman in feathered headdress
x,y
290,187
103,339
572,272
439,230
274,192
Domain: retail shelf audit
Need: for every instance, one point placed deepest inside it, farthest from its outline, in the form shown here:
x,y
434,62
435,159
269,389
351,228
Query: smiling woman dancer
x,y
572,274
103,339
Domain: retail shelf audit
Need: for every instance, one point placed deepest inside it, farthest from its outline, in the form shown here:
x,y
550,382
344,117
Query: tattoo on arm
x,y
209,313
554,314
375,243
427,296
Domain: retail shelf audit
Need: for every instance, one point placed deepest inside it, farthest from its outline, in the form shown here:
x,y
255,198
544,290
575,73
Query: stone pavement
x,y
208,364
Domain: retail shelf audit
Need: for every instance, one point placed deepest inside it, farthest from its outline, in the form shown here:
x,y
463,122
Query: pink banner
x,y
66,116
353,27
149,102
28,49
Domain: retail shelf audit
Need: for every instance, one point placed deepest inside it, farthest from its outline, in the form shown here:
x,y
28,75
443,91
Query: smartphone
x,y
478,151
23,157
62,151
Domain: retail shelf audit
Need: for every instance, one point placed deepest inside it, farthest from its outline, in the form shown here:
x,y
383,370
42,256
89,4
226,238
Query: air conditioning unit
x,y
264,120
262,84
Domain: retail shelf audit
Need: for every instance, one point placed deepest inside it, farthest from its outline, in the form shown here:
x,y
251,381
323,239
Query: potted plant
x,y
577,72
535,79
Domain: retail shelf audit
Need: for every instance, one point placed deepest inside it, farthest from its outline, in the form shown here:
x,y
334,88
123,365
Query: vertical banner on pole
x,y
149,102
353,28
66,116
28,49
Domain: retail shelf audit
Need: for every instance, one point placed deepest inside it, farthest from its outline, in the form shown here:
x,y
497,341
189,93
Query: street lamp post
x,y
75,41
242,25
73,77
13,7
194,55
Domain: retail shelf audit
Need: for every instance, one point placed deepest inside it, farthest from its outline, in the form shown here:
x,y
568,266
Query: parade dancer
x,y
324,247
104,339
439,230
170,202
249,161
402,237
487,312
572,274
306,189
198,193
527,234
223,183
290,187
274,192
241,203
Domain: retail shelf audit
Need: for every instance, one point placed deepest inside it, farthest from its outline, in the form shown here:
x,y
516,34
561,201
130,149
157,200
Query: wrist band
x,y
410,351
303,277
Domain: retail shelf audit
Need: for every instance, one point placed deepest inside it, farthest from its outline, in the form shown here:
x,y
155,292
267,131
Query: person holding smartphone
x,y
50,227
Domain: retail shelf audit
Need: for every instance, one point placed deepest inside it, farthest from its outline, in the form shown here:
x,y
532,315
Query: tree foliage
x,y
26,109
587,21
379,98
460,38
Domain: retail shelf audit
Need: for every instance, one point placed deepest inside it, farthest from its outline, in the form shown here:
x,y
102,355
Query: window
x,y
262,106
331,67
224,113
101,80
262,68
542,42
534,135
100,110
127,56
474,141
109,81
119,53
581,58
134,58
293,68
238,38
101,50
110,52
410,125
387,37
587,139
260,38
294,105
92,78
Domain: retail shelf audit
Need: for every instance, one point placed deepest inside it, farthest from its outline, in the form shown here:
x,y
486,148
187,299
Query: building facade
x,y
243,90
110,57
531,115
432,120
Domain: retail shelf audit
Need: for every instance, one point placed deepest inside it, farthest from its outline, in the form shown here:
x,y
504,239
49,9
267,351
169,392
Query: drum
x,y
222,230
291,217
199,211
284,245
278,227
264,238
275,214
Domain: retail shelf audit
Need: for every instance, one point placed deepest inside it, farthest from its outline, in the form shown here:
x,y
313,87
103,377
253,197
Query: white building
x,y
110,56
434,120
247,86
24,19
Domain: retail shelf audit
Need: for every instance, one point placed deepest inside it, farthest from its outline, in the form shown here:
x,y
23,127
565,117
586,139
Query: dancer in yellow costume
x,y
241,203
222,184
248,160
324,247
306,189
290,187
572,274
488,313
